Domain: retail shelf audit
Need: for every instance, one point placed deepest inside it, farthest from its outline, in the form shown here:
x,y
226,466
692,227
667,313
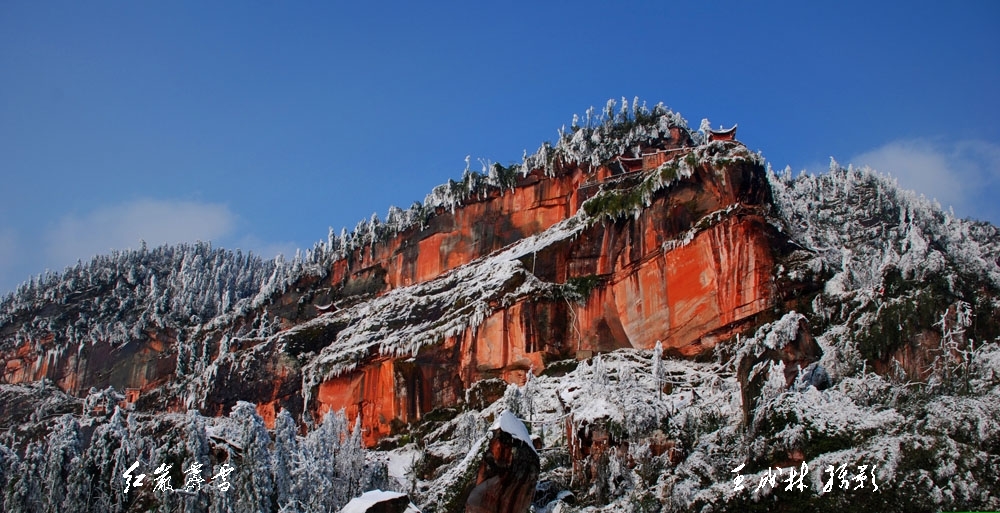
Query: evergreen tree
x,y
283,460
105,461
62,453
659,373
79,487
252,478
529,392
9,463
24,492
197,465
317,484
351,463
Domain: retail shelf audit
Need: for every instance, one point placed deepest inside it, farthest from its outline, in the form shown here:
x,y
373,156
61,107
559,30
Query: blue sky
x,y
259,125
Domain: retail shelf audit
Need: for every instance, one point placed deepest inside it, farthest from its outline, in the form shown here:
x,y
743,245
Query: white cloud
x,y
82,236
961,174
123,226
919,166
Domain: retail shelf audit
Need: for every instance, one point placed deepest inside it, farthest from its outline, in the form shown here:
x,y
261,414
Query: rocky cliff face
x,y
690,268
563,264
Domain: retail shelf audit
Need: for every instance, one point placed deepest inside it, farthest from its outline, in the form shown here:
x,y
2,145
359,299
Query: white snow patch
x,y
510,424
368,499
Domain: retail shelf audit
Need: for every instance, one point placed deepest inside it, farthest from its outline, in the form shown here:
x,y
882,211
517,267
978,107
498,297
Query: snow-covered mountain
x,y
679,327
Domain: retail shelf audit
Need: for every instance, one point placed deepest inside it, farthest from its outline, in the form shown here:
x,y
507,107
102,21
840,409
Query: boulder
x,y
508,473
378,501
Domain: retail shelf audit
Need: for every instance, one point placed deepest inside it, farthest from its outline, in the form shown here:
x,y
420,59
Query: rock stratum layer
x,y
690,269
562,264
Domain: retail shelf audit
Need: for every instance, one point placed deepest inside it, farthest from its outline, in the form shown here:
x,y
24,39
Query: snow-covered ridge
x,y
117,297
599,139
188,285
403,320
892,264
878,260
860,222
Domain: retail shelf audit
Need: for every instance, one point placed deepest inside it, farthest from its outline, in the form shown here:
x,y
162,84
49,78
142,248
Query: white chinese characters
x,y
193,482
842,473
795,478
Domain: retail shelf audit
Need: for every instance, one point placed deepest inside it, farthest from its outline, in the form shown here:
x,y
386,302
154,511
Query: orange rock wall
x,y
723,275
647,286
690,295
477,228
143,365
370,393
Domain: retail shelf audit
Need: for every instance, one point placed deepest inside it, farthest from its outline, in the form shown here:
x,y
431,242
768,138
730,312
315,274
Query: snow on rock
x,y
507,475
782,331
400,462
404,320
387,502
510,424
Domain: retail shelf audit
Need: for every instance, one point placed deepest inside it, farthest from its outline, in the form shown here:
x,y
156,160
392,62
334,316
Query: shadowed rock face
x,y
690,265
506,479
144,364
800,355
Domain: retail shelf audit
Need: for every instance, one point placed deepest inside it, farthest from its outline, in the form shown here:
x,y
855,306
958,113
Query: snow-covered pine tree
x,y
9,464
316,487
513,399
659,372
252,479
62,452
79,485
105,462
351,463
331,469
196,442
24,491
283,458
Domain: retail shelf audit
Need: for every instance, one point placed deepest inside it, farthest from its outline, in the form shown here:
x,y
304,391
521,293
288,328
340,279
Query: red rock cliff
x,y
690,268
560,265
